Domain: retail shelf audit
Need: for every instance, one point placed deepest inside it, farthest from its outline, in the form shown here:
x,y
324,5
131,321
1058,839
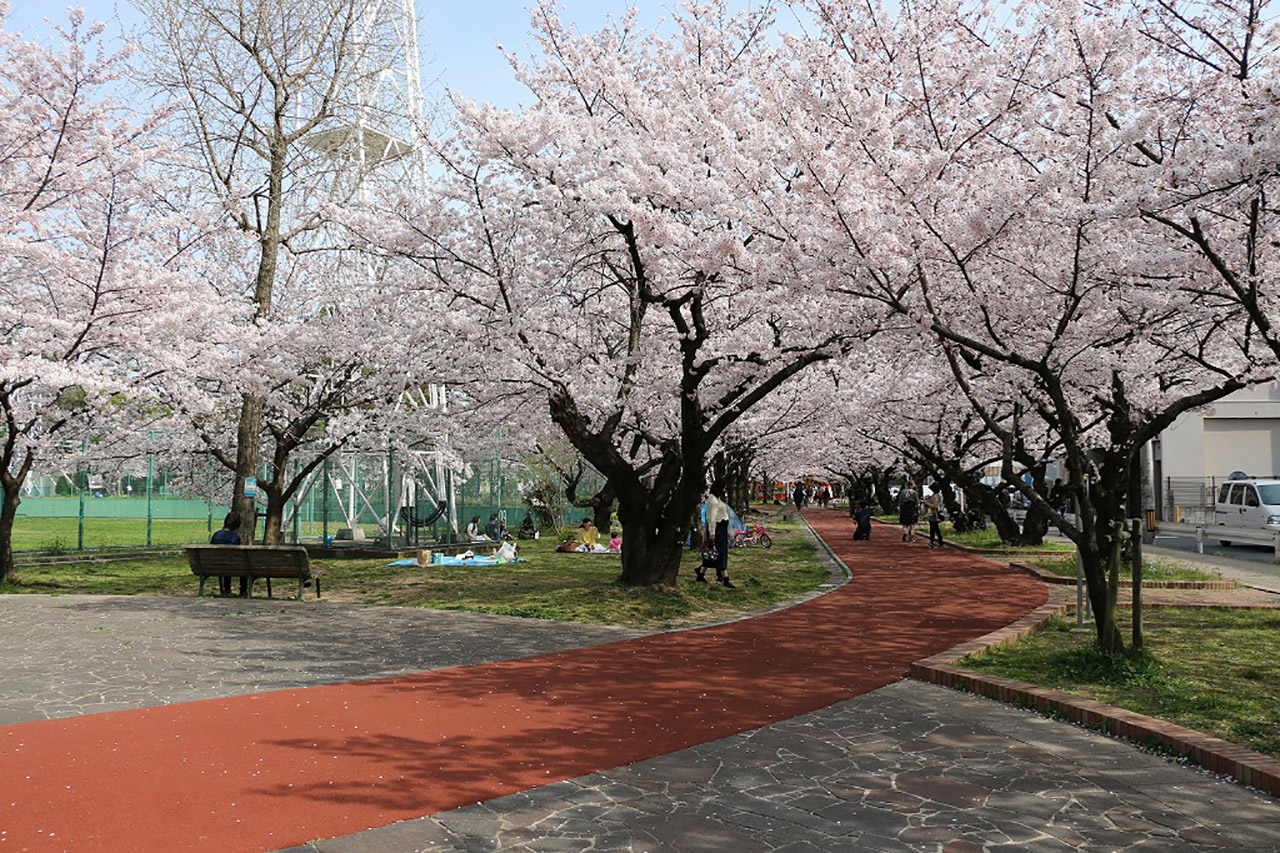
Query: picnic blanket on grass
x,y
442,560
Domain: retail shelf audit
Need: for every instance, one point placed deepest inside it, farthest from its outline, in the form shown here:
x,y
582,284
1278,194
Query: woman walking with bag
x,y
933,510
715,536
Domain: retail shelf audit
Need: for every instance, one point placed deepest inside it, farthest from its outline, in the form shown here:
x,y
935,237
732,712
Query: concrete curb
x,y
1243,766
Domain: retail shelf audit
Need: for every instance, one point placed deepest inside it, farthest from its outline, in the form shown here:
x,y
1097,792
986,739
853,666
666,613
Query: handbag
x,y
709,553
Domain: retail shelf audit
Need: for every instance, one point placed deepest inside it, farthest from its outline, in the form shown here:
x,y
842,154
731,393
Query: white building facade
x,y
1240,432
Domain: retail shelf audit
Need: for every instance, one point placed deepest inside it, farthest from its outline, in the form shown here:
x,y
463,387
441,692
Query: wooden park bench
x,y
252,562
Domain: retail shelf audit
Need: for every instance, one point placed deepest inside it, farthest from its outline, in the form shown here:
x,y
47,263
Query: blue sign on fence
x,y
250,487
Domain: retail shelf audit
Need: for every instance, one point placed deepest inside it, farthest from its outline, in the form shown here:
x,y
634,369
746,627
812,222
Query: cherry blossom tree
x,y
1003,225
91,291
1203,149
626,246
327,378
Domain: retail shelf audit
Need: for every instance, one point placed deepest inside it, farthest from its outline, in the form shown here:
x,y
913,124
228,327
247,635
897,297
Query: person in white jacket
x,y
715,536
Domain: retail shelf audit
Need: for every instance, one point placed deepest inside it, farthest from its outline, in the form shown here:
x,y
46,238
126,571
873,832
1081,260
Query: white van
x,y
1249,503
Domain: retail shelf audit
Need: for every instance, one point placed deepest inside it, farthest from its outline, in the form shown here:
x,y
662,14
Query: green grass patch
x,y
550,585
989,540
1152,569
62,535
1214,671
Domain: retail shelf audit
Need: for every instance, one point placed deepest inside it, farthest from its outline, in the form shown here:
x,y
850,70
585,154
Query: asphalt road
x,y
1251,565
1248,553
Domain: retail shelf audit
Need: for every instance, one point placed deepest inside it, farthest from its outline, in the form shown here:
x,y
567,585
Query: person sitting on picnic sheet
x,y
570,546
495,529
615,540
589,534
474,532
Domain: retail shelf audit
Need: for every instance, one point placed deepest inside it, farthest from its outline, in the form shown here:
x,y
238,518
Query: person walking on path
x,y
798,496
715,536
933,512
909,510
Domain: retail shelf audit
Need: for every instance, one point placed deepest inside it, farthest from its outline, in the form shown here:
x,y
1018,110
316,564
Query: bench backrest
x,y
262,561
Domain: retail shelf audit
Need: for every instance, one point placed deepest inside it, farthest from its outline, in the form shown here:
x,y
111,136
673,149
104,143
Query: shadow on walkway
x,y
272,769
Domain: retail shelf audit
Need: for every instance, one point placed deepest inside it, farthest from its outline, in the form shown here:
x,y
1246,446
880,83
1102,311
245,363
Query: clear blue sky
x,y
458,36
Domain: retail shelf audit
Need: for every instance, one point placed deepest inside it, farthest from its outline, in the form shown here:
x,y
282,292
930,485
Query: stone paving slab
x,y
907,767
80,654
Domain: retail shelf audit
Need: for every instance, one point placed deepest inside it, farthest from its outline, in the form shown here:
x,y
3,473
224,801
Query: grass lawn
x,y
989,540
573,587
60,535
1152,569
1214,671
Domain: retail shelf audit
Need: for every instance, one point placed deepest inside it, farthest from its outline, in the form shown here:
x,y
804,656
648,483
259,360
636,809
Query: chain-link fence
x,y
69,511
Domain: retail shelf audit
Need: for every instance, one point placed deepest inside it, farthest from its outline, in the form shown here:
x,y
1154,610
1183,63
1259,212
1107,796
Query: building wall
x,y
1238,433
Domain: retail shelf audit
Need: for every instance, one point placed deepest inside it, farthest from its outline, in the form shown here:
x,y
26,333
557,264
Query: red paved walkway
x,y
274,769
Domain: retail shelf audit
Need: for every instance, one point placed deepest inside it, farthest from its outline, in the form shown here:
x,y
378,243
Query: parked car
x,y
1251,503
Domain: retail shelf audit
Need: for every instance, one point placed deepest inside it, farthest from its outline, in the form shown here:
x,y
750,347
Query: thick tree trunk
x,y
602,516
248,459
882,494
273,521
249,430
1101,511
651,550
12,475
1034,526
8,512
988,500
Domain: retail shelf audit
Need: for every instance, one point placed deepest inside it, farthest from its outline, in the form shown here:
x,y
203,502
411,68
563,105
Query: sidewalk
x,y
786,731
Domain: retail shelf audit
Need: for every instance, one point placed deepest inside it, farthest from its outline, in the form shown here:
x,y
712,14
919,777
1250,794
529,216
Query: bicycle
x,y
753,535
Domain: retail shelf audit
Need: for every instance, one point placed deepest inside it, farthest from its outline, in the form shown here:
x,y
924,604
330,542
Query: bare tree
x,y
280,112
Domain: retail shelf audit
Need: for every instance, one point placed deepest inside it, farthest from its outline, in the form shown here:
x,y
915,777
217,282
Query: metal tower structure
x,y
381,146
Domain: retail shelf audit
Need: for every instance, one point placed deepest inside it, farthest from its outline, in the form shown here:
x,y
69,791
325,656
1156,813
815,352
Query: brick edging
x,y
1214,754
1049,577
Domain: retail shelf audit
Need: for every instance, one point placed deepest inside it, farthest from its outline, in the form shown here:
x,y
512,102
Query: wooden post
x,y
1136,558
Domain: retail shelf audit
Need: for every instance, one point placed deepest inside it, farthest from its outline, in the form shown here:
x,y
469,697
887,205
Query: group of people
x,y
803,495
494,531
588,540
909,507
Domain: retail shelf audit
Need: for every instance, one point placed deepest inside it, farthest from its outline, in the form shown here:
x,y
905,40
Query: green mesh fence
x,y
86,511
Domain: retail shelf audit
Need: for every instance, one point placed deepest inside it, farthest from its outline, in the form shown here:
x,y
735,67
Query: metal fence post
x,y
151,472
324,505
393,497
297,507
84,481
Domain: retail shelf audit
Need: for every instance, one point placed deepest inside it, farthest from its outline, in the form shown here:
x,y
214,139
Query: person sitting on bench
x,y
228,535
